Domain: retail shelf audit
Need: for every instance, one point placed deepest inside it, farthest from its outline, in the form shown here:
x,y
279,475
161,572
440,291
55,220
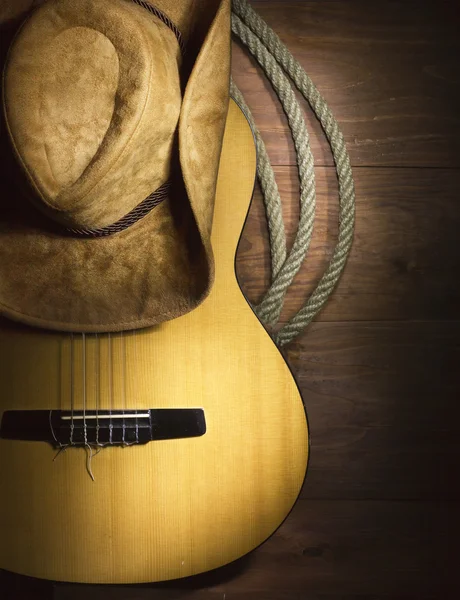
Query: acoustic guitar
x,y
190,439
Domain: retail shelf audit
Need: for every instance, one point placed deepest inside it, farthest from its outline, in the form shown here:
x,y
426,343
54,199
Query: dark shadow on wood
x,y
15,587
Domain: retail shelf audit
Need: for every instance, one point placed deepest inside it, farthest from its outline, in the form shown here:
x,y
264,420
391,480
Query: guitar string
x,y
123,388
125,385
88,449
72,424
83,360
97,354
136,356
59,402
84,340
110,390
90,453
61,375
59,391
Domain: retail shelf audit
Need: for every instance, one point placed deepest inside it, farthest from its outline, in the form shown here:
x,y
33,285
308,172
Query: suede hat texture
x,y
116,133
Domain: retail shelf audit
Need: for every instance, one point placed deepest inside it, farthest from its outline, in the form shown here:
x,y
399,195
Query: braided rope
x,y
267,48
166,20
134,215
270,192
270,308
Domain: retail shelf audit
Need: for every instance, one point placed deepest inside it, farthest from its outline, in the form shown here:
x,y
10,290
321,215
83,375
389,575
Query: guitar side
x,y
171,508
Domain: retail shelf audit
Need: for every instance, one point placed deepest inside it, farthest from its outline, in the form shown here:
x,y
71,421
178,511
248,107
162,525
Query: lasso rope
x,y
278,63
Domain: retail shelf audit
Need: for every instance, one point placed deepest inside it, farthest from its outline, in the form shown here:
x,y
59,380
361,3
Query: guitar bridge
x,y
102,427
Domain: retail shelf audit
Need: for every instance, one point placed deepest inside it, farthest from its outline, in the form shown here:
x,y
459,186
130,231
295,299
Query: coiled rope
x,y
282,70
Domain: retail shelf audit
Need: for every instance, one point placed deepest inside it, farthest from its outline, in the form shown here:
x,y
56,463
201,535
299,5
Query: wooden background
x,y
378,517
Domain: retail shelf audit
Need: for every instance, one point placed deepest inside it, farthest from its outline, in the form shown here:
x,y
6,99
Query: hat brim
x,y
159,268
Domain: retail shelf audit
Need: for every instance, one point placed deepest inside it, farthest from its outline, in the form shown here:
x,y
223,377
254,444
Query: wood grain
x,y
405,259
388,71
382,403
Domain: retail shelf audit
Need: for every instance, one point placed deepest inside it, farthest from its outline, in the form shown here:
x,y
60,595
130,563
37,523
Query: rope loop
x,y
284,72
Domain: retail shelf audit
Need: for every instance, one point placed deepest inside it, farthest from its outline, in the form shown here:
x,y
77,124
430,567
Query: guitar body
x,y
169,508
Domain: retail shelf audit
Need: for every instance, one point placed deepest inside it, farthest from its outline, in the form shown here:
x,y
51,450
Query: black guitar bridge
x,y
103,427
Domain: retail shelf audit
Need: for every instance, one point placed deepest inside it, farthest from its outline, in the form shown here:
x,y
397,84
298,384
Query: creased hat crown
x,y
93,97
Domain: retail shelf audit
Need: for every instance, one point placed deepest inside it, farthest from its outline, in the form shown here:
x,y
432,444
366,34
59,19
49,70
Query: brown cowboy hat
x,y
114,111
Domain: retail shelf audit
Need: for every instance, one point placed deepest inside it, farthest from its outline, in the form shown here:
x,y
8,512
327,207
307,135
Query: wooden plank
x,y
405,259
14,586
388,71
329,550
383,410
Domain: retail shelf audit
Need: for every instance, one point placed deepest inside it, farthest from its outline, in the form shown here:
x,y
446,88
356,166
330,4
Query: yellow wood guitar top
x,y
170,508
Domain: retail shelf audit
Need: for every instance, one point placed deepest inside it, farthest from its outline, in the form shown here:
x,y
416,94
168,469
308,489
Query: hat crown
x,y
160,265
93,92
77,106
